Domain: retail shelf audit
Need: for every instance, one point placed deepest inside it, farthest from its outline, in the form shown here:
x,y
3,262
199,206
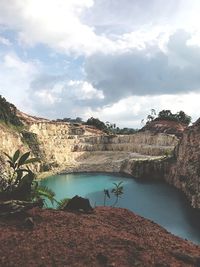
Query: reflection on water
x,y
157,201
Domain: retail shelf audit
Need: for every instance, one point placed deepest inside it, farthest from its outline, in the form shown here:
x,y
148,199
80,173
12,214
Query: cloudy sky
x,y
111,59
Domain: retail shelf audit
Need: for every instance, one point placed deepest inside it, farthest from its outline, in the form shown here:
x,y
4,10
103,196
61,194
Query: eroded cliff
x,y
185,171
78,149
69,147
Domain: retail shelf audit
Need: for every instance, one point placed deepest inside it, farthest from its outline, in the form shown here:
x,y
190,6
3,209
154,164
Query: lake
x,y
154,200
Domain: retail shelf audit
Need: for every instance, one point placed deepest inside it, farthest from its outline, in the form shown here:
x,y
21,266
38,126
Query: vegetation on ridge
x,y
108,127
180,116
8,113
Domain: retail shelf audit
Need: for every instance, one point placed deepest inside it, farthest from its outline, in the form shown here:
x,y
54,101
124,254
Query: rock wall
x,y
61,137
185,171
63,145
143,143
10,140
153,168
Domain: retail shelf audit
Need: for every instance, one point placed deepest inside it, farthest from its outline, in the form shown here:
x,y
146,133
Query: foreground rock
x,y
107,237
78,204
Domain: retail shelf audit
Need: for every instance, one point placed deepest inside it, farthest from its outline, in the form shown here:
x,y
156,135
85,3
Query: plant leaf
x,y
61,204
16,156
19,176
23,158
32,160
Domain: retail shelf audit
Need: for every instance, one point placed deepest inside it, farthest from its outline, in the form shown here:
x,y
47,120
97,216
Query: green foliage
x,y
125,131
166,114
108,127
76,120
97,123
62,203
8,113
180,116
42,193
19,182
117,191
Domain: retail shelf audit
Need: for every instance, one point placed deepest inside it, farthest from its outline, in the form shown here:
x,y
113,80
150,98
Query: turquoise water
x,y
156,201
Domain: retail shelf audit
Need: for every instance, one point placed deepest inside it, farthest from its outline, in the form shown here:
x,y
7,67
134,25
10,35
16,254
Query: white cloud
x,y
4,41
73,26
15,77
148,71
132,48
83,90
128,112
12,62
53,22
46,98
54,96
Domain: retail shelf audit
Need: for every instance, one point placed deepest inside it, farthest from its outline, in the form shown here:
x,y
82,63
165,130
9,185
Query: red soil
x,y
165,126
107,237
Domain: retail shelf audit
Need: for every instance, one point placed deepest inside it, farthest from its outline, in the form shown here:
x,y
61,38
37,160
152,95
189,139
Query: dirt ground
x,y
111,237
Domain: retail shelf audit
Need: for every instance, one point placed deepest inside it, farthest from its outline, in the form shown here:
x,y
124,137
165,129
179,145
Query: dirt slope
x,y
108,237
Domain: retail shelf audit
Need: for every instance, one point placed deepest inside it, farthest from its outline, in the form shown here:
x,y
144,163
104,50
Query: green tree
x,y
182,117
97,123
166,114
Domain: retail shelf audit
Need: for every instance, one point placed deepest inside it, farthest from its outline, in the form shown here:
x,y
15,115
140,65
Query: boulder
x,y
78,204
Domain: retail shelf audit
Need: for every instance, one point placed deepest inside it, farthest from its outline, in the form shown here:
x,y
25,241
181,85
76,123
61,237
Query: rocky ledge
x,y
107,237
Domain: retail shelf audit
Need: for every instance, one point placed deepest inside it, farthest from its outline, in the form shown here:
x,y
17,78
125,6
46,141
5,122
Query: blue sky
x,y
115,60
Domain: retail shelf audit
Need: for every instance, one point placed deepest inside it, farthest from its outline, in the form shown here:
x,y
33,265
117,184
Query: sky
x,y
111,59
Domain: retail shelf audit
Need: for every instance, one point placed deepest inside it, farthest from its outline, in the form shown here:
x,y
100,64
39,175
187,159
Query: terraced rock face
x,y
78,149
68,147
185,172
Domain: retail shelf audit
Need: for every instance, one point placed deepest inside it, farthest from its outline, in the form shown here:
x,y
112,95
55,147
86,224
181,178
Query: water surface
x,y
157,201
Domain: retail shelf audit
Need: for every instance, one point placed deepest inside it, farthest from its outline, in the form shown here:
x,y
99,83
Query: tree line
x,y
166,114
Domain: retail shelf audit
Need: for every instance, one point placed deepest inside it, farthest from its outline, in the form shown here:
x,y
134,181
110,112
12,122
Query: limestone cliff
x,y
75,147
185,171
10,140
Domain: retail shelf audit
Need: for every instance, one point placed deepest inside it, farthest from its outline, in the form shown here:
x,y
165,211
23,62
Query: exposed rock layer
x,y
61,144
165,126
185,171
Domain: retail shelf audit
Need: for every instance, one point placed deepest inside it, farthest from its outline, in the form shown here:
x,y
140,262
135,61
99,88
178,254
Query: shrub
x,y
19,182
